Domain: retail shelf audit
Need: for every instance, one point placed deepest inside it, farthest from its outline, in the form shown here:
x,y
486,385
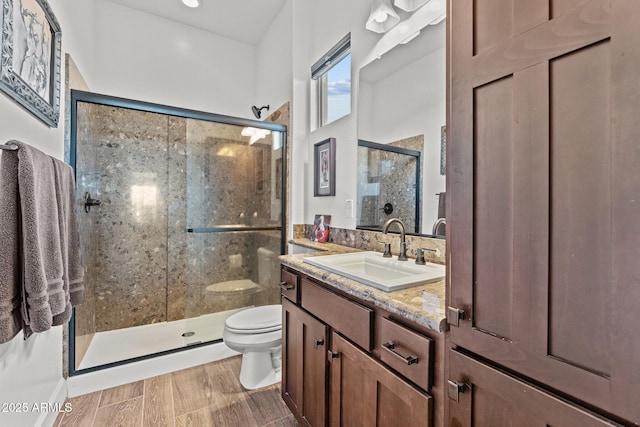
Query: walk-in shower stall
x,y
182,222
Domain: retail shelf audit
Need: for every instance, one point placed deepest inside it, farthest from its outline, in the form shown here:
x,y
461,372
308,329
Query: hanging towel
x,y
42,267
10,237
73,271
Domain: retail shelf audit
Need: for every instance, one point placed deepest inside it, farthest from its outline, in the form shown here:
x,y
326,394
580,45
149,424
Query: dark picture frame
x,y
30,57
324,170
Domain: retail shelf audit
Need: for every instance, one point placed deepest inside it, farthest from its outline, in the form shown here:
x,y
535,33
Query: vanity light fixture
x,y
191,3
254,133
382,17
410,5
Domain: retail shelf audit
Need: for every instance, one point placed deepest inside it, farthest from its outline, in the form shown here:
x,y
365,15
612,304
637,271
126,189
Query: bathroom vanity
x,y
356,355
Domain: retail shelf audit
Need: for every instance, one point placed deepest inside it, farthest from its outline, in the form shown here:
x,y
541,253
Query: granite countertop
x,y
428,311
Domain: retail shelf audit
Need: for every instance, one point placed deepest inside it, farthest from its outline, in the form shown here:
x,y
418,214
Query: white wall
x,y
329,22
153,59
274,75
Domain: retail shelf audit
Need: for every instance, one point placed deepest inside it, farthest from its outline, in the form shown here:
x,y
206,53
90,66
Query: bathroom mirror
x,y
401,103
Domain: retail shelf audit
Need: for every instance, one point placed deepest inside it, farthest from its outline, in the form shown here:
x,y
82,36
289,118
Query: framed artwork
x,y
324,159
30,58
320,228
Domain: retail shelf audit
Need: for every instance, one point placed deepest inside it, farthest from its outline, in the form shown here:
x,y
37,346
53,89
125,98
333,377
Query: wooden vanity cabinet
x,y
336,370
304,365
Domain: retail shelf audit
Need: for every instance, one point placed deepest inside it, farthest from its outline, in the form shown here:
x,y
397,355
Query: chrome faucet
x,y
436,225
402,256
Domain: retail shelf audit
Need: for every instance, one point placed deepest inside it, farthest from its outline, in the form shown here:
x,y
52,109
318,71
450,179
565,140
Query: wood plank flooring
x,y
205,395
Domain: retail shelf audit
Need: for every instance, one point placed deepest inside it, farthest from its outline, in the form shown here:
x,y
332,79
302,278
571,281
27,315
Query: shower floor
x,y
122,344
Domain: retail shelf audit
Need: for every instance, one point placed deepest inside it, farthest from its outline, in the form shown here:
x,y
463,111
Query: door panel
x,y
493,398
305,368
366,393
544,180
580,208
493,157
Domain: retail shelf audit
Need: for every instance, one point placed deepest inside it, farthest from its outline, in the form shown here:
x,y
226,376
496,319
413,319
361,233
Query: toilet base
x,y
261,368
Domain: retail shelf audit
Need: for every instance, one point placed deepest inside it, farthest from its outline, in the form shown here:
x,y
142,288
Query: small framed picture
x,y
320,228
324,157
30,65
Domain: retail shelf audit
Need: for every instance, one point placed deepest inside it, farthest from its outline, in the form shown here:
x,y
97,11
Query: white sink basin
x,y
386,274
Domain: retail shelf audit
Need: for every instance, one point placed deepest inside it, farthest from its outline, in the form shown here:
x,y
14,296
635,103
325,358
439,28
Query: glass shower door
x,y
188,229
234,222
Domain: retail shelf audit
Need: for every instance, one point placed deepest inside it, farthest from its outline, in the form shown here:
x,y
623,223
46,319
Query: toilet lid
x,y
265,318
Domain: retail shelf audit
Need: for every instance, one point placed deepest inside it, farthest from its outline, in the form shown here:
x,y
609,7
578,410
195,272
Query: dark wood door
x,y
304,365
365,393
543,184
491,398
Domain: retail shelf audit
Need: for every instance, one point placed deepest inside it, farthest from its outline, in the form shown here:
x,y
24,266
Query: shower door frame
x,y
112,101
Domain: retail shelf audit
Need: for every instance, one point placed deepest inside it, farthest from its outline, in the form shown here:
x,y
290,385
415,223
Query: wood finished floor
x,y
205,395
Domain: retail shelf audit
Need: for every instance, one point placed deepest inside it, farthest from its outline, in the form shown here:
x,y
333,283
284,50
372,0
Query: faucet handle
x,y
420,255
387,249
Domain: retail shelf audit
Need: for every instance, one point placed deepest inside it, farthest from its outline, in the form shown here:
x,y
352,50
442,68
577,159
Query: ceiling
x,y
243,20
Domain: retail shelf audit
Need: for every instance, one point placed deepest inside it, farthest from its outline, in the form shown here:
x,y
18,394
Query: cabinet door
x,y
365,393
543,190
490,398
304,365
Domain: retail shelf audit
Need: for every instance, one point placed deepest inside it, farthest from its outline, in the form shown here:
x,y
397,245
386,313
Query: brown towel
x,y
10,271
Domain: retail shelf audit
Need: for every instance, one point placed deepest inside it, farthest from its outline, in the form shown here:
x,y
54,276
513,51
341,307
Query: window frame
x,y
320,70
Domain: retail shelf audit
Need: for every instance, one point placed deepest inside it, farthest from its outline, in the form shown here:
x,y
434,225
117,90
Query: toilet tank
x,y
266,266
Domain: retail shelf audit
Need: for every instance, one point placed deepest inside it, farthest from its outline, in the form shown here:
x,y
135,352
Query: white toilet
x,y
257,333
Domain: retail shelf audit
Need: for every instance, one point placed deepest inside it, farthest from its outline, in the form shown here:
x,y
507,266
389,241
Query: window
x,y
333,73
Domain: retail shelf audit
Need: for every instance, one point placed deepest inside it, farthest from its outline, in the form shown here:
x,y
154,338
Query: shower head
x,y
258,111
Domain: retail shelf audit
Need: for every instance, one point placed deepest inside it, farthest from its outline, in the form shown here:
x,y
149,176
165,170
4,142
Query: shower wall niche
x,y
186,203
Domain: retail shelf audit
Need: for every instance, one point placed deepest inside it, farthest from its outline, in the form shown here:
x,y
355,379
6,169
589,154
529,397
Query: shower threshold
x,y
128,343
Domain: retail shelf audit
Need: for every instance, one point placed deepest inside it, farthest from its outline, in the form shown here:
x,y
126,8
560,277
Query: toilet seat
x,y
256,320
243,342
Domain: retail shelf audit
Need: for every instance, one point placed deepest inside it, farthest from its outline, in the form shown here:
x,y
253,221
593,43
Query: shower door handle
x,y
88,202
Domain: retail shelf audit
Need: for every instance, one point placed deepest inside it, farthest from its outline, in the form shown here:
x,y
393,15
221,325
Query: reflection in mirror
x,y
401,96
389,184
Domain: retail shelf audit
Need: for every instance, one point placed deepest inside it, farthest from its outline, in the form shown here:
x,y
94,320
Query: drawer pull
x,y
318,342
409,360
287,287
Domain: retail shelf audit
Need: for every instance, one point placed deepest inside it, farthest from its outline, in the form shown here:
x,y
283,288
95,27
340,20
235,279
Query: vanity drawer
x,y
289,286
408,352
347,317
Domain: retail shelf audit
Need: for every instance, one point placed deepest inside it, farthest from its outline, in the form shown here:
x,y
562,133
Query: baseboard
x,y
58,396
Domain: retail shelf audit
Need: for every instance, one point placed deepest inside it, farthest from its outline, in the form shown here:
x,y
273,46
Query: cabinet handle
x,y
317,342
409,360
454,389
286,287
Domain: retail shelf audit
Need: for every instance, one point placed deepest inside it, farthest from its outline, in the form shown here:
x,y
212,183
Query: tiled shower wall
x,y
156,176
